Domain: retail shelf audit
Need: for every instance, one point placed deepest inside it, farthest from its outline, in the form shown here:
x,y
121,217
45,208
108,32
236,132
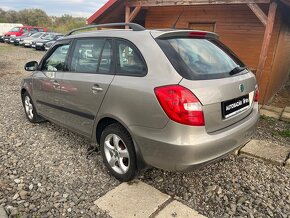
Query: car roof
x,y
156,33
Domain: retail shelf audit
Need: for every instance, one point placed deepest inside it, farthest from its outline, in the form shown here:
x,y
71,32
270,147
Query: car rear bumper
x,y
181,148
28,45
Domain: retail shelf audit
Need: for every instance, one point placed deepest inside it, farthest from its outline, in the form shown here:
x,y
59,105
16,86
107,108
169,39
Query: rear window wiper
x,y
237,70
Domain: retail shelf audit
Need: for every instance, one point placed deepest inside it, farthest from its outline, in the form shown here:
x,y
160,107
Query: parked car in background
x,y
17,39
171,99
39,44
27,42
5,27
20,30
49,44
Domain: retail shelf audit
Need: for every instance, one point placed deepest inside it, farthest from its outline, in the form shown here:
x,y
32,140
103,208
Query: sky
x,y
76,8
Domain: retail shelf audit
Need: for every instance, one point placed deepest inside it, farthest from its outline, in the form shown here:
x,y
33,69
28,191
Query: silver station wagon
x,y
171,99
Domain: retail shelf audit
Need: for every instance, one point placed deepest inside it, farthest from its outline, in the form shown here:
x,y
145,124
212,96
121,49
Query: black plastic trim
x,y
78,113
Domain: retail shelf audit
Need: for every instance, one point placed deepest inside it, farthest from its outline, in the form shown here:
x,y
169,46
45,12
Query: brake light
x,y
257,95
197,34
180,105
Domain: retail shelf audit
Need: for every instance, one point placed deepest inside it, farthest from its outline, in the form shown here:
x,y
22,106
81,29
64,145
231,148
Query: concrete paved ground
x,y
137,199
286,114
267,151
276,112
177,209
271,111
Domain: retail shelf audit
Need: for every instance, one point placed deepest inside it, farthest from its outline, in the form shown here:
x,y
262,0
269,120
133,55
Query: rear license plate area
x,y
235,106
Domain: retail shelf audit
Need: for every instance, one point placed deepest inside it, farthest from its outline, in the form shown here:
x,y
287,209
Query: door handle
x,y
97,88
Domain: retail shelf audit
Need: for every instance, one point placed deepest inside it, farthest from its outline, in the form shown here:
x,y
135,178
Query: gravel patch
x,y
274,131
233,187
45,171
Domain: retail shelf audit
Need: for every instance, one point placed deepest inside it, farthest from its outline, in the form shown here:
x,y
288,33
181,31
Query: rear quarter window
x,y
130,61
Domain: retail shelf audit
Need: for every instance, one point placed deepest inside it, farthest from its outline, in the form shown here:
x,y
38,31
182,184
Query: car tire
x,y
30,110
118,152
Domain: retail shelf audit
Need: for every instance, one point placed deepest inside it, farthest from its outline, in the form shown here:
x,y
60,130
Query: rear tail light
x,y
257,95
180,105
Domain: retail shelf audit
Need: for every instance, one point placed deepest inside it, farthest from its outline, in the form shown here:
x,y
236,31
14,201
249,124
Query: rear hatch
x,y
213,73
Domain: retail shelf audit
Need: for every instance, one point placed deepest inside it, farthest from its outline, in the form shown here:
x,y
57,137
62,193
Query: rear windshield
x,y
198,59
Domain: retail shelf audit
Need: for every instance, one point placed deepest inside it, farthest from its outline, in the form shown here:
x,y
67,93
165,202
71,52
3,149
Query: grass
x,y
270,119
284,133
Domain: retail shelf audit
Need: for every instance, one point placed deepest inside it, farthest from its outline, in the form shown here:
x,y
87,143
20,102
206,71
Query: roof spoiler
x,y
133,26
188,34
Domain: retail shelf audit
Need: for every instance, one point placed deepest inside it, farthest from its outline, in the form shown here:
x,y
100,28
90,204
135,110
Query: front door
x,y
84,86
46,82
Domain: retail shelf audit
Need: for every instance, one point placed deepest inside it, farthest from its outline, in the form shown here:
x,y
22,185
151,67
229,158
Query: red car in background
x,y
19,31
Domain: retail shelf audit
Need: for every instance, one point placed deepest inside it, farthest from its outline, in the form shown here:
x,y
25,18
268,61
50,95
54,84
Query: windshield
x,y
15,29
199,58
36,35
58,37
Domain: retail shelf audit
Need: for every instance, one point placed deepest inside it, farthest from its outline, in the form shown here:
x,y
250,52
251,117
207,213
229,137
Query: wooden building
x,y
258,31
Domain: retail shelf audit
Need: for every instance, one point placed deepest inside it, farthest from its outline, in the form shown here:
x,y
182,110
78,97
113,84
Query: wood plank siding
x,y
237,25
241,25
154,3
281,61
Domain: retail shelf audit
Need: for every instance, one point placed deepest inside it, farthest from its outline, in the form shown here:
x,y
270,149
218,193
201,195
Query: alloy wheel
x,y
28,107
117,154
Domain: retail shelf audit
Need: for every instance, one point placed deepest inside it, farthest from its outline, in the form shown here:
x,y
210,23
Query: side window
x,y
92,56
33,30
25,30
56,61
129,60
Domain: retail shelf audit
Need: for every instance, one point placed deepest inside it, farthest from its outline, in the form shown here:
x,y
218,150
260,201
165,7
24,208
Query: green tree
x,y
37,17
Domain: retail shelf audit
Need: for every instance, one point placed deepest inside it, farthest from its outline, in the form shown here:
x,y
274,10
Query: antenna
x,y
181,13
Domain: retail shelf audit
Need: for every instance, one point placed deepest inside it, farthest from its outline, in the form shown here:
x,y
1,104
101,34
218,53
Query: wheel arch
x,y
23,90
105,121
26,86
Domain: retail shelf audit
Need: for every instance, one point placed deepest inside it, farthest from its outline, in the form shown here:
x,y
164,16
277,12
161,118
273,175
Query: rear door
x,y
83,87
215,75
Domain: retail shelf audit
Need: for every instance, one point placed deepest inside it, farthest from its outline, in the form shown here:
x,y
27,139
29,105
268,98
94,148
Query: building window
x,y
206,26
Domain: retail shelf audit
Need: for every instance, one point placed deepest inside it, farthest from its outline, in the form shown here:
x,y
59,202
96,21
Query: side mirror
x,y
31,66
